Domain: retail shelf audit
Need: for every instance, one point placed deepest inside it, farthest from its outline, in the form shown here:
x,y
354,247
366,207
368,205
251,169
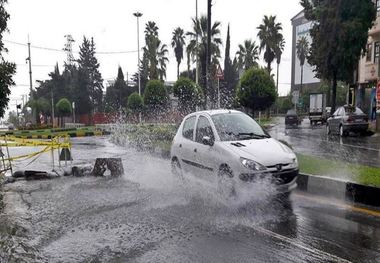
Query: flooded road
x,y
147,215
312,140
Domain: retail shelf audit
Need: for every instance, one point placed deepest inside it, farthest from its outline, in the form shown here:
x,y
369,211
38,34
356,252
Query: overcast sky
x,y
113,27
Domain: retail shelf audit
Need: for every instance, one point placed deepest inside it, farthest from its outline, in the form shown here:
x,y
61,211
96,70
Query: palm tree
x,y
279,49
162,51
247,54
200,30
302,49
269,35
178,41
155,51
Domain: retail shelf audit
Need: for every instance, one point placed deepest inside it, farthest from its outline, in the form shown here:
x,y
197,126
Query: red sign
x,y
219,73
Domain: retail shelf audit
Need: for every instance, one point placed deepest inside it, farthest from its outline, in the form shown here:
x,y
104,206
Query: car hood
x,y
265,151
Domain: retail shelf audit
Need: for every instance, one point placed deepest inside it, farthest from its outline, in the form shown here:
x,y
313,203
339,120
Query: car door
x,y
186,145
205,155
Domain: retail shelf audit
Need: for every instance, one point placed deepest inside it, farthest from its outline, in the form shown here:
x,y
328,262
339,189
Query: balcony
x,y
371,72
375,30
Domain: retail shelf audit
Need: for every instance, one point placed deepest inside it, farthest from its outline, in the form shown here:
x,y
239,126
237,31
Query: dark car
x,y
291,118
347,119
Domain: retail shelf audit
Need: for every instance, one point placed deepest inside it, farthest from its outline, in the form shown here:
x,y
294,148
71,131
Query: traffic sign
x,y
219,73
295,96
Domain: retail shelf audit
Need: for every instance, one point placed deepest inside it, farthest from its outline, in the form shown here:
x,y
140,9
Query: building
x,y
301,27
368,68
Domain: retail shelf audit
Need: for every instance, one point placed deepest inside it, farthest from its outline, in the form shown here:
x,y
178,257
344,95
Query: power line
x,y
63,51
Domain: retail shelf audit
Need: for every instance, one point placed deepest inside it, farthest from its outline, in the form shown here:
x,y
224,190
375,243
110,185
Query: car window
x,y
188,128
237,126
353,110
203,129
336,113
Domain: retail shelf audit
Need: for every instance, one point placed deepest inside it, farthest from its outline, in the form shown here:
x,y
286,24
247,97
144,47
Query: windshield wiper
x,y
251,134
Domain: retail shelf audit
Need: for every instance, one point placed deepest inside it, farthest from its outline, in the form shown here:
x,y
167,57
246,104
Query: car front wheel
x,y
342,133
176,168
226,183
328,131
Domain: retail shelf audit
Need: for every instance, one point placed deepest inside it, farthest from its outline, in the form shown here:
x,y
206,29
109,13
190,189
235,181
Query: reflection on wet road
x,y
312,140
149,216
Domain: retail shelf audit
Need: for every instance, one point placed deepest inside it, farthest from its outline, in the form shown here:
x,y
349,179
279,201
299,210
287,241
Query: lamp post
x,y
138,15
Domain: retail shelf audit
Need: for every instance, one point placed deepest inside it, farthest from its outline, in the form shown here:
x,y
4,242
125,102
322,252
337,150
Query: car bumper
x,y
284,181
355,127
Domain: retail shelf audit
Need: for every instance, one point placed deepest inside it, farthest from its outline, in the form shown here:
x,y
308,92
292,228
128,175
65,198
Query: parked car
x,y
347,119
229,146
292,118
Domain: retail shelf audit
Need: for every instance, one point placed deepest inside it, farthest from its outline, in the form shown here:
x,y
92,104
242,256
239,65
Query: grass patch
x,y
353,172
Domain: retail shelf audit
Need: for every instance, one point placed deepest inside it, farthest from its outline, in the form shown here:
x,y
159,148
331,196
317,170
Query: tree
x,y
178,42
40,106
7,69
302,50
156,96
256,90
64,109
200,30
269,35
278,52
247,54
155,52
189,95
230,76
135,102
339,36
117,93
93,82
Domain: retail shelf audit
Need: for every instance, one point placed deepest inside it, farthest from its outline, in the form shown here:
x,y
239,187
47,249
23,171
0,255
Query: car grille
x,y
278,178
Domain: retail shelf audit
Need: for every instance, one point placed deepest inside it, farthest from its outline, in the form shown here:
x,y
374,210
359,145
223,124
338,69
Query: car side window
x,y
188,128
336,113
203,129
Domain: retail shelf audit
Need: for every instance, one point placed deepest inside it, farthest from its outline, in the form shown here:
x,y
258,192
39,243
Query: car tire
x,y
342,133
226,185
176,168
328,130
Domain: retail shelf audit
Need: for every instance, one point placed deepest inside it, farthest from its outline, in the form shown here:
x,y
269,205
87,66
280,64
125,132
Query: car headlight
x,y
252,165
294,163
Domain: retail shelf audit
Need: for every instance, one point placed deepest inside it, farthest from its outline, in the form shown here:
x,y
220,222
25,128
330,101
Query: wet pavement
x,y
312,140
149,216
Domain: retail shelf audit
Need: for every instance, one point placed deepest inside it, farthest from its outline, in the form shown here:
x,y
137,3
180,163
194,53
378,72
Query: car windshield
x,y
237,126
353,110
291,112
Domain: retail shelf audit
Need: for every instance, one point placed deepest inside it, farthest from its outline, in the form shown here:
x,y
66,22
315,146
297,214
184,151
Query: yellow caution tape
x,y
12,141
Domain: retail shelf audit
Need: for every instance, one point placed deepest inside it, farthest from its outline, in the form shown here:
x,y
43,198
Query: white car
x,y
230,146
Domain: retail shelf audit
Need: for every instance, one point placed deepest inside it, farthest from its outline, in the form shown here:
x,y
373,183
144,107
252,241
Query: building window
x,y
369,52
378,6
377,52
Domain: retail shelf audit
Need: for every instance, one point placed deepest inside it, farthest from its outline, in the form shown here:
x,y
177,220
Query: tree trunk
x,y
269,69
301,80
333,99
278,66
177,70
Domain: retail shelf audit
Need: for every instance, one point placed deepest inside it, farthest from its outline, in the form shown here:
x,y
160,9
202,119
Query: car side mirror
x,y
206,140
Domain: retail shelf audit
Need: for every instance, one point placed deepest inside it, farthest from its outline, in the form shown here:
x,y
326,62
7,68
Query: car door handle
x,y
180,146
195,150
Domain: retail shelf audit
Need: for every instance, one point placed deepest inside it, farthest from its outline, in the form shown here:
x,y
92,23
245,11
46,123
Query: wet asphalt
x,y
147,215
313,140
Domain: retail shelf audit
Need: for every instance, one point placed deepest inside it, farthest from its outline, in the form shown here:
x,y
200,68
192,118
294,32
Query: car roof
x,y
213,112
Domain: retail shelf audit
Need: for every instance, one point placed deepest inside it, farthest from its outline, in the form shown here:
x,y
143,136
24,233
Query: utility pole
x,y
197,46
208,53
138,15
29,59
52,108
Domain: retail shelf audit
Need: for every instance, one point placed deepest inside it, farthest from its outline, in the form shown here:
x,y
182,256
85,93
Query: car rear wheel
x,y
226,184
176,168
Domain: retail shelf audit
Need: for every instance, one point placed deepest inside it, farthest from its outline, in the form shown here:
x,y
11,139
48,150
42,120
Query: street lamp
x,y
138,15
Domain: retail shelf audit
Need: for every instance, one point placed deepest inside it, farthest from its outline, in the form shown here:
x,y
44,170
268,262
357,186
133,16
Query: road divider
x,y
339,189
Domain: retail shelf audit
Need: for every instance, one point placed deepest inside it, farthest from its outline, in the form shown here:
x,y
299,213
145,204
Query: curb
x,y
348,191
